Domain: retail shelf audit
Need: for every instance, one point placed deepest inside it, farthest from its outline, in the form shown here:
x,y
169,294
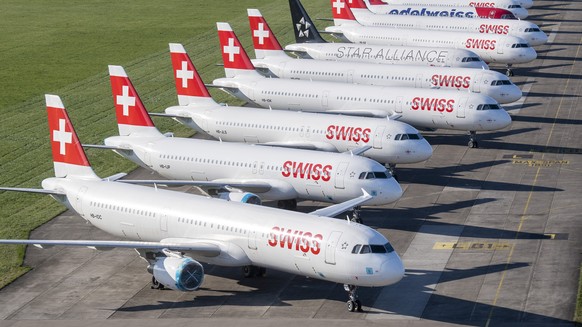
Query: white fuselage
x,y
336,133
390,55
418,107
511,5
488,82
246,234
291,173
520,28
505,49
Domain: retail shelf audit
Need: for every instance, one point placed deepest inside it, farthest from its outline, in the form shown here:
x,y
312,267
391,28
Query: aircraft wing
x,y
360,112
249,186
32,190
319,146
198,246
227,88
359,150
336,209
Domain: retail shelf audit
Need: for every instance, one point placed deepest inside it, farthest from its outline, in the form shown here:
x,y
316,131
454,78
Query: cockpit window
x,y
488,107
532,29
471,59
508,16
520,45
513,6
400,137
373,175
501,82
372,248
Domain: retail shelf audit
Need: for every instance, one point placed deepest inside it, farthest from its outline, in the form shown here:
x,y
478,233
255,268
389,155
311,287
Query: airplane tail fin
x,y
69,158
357,4
303,27
342,14
376,3
264,40
235,58
189,84
132,117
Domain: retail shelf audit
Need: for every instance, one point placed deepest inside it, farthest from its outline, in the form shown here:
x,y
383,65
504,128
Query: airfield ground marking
x,y
524,214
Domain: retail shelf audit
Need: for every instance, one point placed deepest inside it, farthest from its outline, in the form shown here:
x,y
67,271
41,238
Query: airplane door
x,y
378,135
261,168
330,247
461,108
251,139
253,240
477,83
79,200
399,101
340,174
500,46
418,83
252,92
350,76
164,221
255,167
198,176
324,100
307,131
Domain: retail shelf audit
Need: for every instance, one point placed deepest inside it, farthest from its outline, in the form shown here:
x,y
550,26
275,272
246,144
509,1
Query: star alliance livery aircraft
x,y
419,107
310,45
230,170
270,56
392,142
173,231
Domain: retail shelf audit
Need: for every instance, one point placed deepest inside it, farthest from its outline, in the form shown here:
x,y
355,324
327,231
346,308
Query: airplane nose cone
x,y
501,120
526,3
510,93
390,191
539,38
520,13
392,270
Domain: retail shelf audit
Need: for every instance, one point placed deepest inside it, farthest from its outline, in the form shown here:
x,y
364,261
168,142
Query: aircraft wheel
x,y
352,306
249,271
156,285
262,272
473,144
359,306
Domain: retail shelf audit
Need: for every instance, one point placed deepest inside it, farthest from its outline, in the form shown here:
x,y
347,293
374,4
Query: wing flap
x,y
336,209
250,186
32,190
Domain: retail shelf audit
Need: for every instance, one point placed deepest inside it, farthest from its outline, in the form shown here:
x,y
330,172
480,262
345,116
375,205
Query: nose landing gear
x,y
353,303
356,215
509,72
473,140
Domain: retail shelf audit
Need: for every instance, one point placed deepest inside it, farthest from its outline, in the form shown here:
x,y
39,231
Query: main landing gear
x,y
287,204
254,271
509,72
156,285
356,215
353,303
473,140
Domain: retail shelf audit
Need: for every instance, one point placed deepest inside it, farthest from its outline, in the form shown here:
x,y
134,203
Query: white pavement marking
x,y
515,107
554,32
424,267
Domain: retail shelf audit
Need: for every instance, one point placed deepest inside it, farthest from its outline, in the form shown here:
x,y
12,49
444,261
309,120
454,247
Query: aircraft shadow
x,y
549,50
548,95
483,137
547,120
278,289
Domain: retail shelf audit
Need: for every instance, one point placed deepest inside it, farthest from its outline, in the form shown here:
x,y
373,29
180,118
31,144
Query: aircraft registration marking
x,y
472,246
540,163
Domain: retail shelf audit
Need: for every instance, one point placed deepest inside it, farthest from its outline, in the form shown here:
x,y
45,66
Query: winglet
x,y
303,27
132,117
235,58
264,40
69,158
189,84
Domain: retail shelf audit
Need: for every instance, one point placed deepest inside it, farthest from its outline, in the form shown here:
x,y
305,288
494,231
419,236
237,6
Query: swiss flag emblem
x,y
340,10
188,82
263,38
233,55
128,107
65,145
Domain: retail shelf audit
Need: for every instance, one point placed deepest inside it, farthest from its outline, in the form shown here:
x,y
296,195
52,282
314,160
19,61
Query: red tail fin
x,y
189,84
356,4
377,3
132,116
68,155
341,12
234,56
264,40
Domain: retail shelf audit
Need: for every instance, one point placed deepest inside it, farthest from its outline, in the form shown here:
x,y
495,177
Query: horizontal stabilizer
x,y
222,87
336,209
105,147
161,114
115,177
32,190
255,187
203,248
325,20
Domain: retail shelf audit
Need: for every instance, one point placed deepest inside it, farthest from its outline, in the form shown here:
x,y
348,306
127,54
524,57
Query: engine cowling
x,y
180,274
243,197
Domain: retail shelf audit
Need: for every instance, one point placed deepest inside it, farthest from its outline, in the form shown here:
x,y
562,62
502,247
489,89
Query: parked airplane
x,y
514,6
273,173
392,142
310,45
504,49
173,231
271,57
418,107
433,9
520,28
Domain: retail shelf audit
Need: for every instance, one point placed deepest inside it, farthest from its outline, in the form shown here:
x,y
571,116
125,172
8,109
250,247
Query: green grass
x,y
578,314
63,47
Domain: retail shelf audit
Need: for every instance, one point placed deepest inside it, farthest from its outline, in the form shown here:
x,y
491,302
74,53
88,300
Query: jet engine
x,y
244,197
180,274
